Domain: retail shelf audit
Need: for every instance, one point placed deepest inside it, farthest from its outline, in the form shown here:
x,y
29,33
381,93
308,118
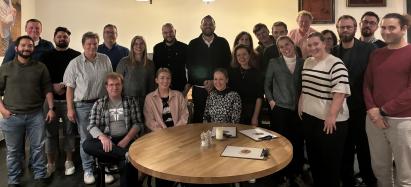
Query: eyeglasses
x,y
372,23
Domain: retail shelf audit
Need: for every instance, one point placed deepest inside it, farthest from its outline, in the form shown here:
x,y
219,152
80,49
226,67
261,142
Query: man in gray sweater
x,y
24,84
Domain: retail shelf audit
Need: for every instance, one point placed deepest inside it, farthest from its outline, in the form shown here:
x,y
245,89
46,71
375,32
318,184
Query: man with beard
x,y
57,61
354,54
110,48
204,54
172,54
369,24
387,95
24,85
33,29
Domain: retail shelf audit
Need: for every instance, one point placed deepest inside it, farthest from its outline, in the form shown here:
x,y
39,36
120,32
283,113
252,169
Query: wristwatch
x,y
52,108
382,113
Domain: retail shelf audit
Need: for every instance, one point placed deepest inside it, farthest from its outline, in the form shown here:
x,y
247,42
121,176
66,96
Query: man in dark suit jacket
x,y
354,54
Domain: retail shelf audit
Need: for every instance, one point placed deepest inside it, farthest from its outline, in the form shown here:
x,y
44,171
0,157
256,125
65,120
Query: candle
x,y
219,133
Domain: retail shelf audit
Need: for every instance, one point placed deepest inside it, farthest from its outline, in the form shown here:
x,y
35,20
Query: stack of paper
x,y
258,134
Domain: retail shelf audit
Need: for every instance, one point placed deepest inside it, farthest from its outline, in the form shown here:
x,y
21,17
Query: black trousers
x,y
357,143
128,173
199,101
287,123
324,151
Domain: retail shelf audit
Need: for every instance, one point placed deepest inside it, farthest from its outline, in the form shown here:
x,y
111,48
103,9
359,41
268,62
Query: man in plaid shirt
x,y
115,121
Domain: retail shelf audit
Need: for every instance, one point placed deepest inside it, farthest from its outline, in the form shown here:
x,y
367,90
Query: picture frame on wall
x,y
10,23
322,10
366,3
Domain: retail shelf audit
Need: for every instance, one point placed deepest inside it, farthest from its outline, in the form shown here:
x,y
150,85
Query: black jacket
x,y
356,61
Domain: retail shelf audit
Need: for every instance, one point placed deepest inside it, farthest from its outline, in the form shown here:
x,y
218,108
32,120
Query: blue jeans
x,y
14,129
83,114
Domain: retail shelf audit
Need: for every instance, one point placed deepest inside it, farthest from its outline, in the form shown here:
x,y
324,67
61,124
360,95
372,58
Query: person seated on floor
x,y
165,107
115,121
223,105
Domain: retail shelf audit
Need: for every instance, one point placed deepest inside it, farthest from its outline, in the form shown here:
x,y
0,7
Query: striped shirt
x,y
319,81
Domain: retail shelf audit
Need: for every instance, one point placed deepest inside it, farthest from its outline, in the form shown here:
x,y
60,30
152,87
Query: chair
x,y
101,164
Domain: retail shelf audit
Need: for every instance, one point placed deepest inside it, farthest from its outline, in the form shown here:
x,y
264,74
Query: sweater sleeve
x,y
206,115
236,113
46,81
368,86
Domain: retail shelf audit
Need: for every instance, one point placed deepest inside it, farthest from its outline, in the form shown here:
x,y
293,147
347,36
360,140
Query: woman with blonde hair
x,y
137,70
165,107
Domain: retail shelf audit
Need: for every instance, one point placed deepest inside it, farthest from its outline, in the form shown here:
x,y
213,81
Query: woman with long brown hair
x,y
138,71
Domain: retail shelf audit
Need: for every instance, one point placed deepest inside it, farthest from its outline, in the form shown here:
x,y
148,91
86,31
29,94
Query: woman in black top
x,y
245,79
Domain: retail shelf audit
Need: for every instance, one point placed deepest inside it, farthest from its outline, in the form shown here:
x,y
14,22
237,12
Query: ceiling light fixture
x,y
208,1
150,1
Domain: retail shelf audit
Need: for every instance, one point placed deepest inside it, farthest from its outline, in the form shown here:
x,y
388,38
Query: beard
x,y
366,32
208,32
62,44
346,38
170,40
21,54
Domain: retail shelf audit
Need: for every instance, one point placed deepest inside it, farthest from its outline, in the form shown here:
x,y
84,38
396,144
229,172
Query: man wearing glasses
x,y
369,24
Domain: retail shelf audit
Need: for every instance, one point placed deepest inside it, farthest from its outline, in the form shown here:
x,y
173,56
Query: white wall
x,y
136,18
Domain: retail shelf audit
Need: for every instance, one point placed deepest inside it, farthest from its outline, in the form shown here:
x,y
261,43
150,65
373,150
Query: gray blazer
x,y
281,85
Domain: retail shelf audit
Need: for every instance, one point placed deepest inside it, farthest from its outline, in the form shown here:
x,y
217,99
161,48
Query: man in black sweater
x,y
204,55
172,54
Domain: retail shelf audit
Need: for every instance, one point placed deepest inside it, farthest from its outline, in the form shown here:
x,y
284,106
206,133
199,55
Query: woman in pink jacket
x,y
165,107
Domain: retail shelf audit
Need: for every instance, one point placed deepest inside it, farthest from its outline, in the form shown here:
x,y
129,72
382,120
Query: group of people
x,y
339,98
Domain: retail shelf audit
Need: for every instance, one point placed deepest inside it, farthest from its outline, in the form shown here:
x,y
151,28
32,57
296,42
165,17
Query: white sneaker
x,y
108,178
50,169
89,178
70,169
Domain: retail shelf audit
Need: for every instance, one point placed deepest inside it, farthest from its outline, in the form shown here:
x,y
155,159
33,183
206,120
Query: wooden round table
x,y
175,154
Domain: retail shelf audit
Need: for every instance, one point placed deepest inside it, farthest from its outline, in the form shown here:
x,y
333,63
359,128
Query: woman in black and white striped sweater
x,y
324,111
